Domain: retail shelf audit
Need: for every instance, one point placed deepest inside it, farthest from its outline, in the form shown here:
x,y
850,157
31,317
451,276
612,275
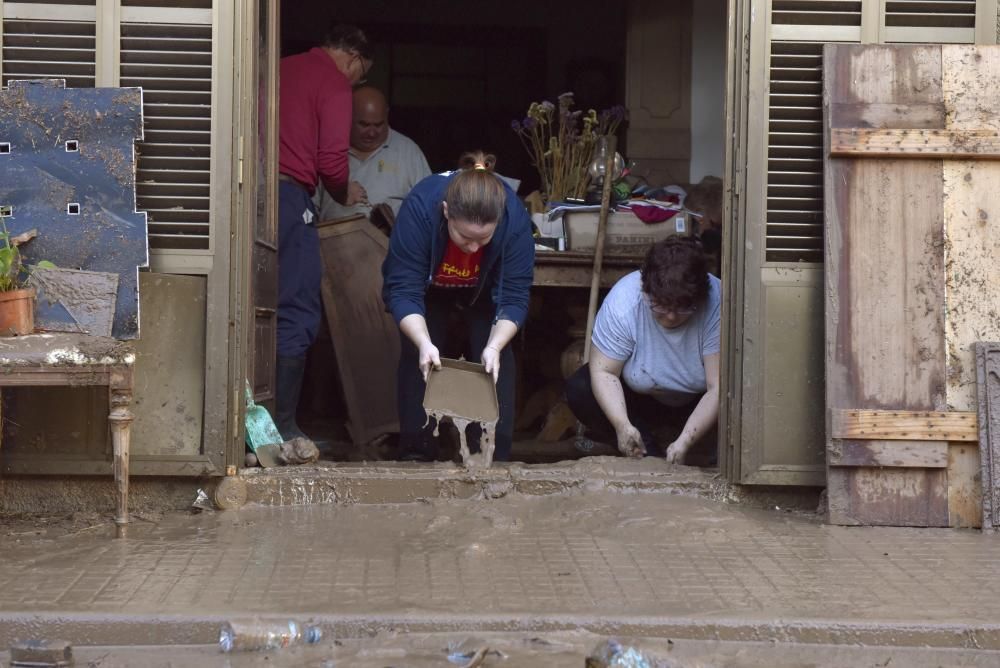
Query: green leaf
x,y
45,264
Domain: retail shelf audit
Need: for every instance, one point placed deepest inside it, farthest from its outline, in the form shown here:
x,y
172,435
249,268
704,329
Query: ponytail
x,y
476,194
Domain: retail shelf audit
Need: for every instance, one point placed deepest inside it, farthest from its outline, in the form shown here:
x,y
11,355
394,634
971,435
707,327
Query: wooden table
x,y
573,269
72,360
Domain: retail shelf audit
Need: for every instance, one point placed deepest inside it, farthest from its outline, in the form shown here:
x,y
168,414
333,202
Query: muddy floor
x,y
554,650
539,578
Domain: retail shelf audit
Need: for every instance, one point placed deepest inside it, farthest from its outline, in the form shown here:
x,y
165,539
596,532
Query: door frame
x,y
246,133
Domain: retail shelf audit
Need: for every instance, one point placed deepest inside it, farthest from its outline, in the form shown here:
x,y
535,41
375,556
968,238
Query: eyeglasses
x,y
366,65
660,309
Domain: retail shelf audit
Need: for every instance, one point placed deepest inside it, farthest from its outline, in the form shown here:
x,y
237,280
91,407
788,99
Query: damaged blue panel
x,y
67,169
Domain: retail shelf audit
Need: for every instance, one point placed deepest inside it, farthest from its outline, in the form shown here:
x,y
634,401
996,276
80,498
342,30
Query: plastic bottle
x,y
260,634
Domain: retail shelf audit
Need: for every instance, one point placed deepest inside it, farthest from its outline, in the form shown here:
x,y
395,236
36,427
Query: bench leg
x,y
121,432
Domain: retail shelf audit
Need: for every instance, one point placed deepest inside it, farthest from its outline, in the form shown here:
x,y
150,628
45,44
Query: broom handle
x,y
602,231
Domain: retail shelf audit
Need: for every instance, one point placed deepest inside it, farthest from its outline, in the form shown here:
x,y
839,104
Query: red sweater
x,y
315,120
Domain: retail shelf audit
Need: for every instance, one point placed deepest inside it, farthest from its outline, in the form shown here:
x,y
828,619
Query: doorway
x,y
456,80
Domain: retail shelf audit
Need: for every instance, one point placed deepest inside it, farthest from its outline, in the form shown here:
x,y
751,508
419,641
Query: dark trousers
x,y
644,412
478,320
300,271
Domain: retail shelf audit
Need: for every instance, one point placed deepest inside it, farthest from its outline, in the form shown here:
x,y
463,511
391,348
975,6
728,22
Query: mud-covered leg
x,y
121,432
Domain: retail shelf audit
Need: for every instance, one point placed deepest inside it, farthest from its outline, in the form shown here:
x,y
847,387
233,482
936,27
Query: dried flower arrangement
x,y
561,142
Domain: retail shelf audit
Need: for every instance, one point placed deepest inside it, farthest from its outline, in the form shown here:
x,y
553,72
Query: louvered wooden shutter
x,y
798,29
794,198
173,65
36,45
937,21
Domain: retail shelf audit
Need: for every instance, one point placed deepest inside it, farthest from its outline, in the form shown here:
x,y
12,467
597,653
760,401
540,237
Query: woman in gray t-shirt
x,y
655,356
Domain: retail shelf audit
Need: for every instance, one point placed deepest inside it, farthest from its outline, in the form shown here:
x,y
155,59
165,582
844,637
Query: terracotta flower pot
x,y
17,312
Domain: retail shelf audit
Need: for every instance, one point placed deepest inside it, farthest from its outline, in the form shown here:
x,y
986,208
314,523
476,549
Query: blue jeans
x,y
300,272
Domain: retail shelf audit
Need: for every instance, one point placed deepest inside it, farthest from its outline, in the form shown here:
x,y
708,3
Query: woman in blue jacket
x,y
462,243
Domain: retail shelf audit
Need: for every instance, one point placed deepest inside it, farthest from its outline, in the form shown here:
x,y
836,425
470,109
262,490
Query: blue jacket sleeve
x,y
512,291
407,265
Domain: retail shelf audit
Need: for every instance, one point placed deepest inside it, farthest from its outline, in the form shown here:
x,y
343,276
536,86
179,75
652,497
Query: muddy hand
x,y
676,452
630,442
356,194
429,357
491,362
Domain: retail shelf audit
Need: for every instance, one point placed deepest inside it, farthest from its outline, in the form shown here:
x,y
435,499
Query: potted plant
x,y
17,303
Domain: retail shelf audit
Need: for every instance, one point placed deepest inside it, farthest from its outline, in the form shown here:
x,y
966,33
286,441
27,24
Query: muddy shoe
x,y
299,451
423,449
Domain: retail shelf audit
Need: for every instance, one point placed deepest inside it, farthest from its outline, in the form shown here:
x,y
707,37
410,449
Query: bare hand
x,y
356,194
676,452
630,442
429,357
491,361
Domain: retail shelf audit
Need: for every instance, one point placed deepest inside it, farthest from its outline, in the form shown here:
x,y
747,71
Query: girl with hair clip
x,y
462,243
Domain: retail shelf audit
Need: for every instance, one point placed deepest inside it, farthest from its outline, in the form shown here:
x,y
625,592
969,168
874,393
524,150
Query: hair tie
x,y
479,167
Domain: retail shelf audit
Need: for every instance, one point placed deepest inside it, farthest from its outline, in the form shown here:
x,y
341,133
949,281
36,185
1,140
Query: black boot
x,y
288,377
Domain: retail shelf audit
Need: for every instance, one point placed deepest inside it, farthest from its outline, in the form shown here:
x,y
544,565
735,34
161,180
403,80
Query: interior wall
x,y
708,88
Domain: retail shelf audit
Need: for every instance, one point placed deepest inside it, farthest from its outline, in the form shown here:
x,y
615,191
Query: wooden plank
x,y
884,284
934,144
897,454
887,115
904,497
964,486
904,425
365,337
971,199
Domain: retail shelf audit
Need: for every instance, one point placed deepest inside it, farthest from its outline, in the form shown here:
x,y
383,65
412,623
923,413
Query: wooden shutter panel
x,y
937,21
794,153
173,65
40,48
794,209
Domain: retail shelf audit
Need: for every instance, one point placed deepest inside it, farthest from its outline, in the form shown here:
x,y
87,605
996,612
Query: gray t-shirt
x,y
664,363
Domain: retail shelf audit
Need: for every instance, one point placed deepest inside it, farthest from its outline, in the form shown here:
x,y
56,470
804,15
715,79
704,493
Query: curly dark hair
x,y
675,273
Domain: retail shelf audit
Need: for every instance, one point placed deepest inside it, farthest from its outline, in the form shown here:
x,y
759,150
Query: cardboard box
x,y
626,233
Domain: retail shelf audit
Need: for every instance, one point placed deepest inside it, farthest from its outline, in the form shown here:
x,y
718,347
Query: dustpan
x,y
462,389
262,436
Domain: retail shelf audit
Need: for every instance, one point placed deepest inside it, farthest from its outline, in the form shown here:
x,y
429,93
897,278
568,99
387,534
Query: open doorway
x,y
455,80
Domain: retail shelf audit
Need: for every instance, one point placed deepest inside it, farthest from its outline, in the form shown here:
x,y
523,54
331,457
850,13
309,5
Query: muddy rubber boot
x,y
420,449
288,385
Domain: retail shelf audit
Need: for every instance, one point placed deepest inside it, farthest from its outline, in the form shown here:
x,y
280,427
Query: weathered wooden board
x,y
365,337
928,144
971,87
885,283
965,503
893,114
904,425
896,454
894,497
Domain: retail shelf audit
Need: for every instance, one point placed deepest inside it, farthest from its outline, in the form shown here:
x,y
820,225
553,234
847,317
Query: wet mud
x,y
513,650
464,393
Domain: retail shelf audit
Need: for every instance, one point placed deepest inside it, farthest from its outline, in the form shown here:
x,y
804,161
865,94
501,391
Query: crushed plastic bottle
x,y
612,654
259,634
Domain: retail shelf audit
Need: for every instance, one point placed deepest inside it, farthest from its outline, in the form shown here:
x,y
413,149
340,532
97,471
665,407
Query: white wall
x,y
708,87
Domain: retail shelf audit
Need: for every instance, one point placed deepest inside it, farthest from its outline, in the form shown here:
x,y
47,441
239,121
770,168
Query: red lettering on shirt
x,y
458,269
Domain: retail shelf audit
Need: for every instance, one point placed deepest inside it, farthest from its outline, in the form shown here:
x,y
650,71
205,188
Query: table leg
x,y
121,431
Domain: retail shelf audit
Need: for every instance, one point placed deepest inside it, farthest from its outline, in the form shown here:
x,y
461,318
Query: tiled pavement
x,y
647,564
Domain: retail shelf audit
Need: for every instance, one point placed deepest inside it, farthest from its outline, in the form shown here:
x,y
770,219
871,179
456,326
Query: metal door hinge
x,y
239,164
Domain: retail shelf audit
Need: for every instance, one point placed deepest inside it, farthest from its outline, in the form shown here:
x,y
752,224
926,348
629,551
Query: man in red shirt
x,y
314,133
